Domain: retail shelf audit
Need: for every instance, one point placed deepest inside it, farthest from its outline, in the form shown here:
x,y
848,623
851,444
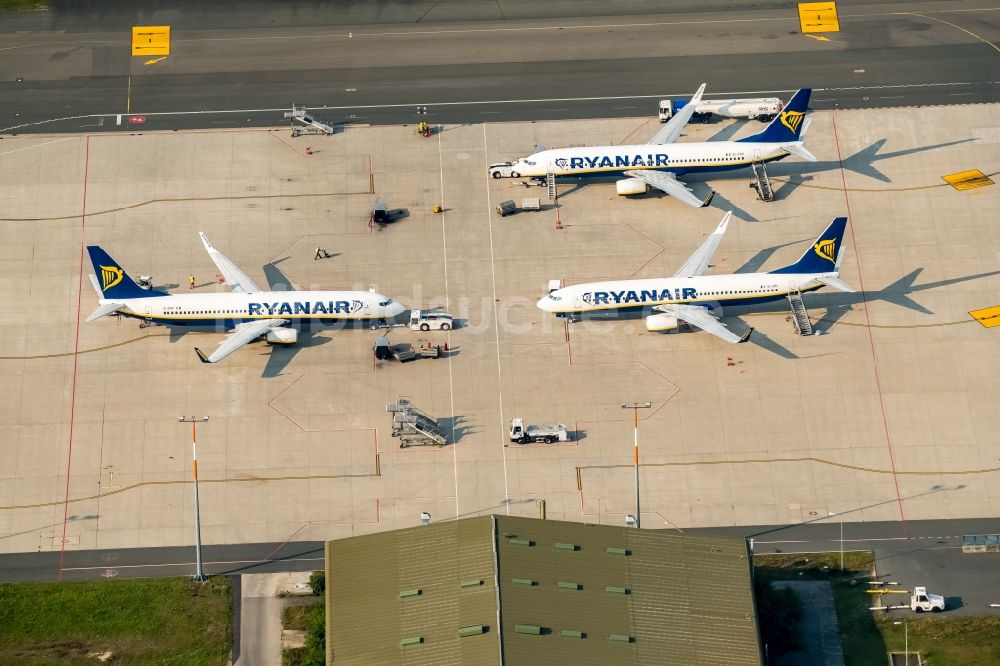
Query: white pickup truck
x,y
761,108
426,320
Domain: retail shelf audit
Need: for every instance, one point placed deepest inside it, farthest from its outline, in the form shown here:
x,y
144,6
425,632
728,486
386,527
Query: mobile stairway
x,y
761,182
413,427
310,123
800,316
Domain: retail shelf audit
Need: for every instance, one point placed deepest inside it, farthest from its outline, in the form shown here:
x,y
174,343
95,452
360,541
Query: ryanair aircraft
x,y
690,295
661,162
247,311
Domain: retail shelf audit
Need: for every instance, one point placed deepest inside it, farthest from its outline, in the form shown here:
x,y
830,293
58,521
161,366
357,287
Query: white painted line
x,y
735,93
191,564
447,300
118,119
37,145
859,71
496,324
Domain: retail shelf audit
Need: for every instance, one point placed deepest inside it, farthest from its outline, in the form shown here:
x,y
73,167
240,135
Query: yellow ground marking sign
x,y
150,40
967,180
988,317
818,17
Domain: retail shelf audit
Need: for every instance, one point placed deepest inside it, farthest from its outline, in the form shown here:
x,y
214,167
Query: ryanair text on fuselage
x,y
614,161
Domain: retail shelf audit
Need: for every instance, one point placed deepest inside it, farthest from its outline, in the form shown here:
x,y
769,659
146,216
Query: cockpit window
x,y
385,303
555,298
530,163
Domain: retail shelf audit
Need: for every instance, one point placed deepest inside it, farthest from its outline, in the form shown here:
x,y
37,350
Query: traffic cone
x,y
309,150
729,361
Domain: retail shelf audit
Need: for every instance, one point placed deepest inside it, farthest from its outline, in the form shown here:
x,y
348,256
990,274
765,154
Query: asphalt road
x,y
240,64
912,553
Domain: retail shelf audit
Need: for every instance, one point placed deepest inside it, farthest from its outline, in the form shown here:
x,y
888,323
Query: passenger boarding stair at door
x,y
247,311
690,297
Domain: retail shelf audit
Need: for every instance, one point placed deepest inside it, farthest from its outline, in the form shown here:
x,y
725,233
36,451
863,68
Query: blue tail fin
x,y
787,125
822,256
112,279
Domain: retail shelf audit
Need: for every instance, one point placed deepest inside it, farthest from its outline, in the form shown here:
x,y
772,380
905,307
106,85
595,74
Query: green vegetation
x,y
868,636
23,5
312,619
162,621
943,640
317,581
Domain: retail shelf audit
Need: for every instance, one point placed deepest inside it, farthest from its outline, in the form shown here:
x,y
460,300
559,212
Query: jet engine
x,y
660,323
282,336
628,186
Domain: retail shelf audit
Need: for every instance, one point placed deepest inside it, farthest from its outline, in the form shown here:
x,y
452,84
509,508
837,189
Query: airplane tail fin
x,y
787,125
112,280
823,256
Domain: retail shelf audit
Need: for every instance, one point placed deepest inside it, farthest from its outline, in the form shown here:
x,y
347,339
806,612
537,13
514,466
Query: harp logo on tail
x,y
826,249
792,119
110,276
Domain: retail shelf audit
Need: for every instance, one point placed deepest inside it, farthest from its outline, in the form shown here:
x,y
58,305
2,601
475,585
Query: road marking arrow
x,y
820,38
156,60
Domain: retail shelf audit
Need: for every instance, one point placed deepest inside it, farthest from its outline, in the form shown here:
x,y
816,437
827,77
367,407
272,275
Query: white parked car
x,y
422,320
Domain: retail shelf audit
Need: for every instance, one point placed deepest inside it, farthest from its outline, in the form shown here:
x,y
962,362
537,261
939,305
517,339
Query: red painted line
x,y
283,391
76,356
285,542
651,241
290,146
871,338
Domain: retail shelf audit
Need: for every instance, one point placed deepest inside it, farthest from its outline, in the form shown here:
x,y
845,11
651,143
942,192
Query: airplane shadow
x,y
280,356
276,280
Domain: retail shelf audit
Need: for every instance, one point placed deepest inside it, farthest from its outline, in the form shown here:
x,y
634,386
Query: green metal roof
x,y
569,593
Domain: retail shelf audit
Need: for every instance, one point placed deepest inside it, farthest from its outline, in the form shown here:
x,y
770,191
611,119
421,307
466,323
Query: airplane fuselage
x,y
631,296
226,310
678,158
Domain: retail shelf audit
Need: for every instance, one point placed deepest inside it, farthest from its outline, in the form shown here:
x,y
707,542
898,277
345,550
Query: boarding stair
x,y
550,183
800,316
310,123
761,182
413,427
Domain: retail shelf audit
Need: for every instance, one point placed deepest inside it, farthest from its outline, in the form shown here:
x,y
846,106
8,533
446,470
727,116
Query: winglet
x,y
746,336
708,200
201,355
696,98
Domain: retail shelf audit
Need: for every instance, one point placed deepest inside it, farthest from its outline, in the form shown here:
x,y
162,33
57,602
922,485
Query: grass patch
x,y
296,617
23,5
160,621
867,636
311,618
859,635
942,640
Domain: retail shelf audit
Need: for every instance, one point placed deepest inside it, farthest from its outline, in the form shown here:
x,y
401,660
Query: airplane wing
x,y
673,127
235,278
701,318
697,263
669,183
241,335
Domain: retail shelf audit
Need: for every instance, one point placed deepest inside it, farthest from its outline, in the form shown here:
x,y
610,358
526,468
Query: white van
x,y
422,320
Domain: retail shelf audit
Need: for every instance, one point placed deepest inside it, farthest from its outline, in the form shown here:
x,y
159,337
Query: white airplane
x,y
690,295
248,311
657,165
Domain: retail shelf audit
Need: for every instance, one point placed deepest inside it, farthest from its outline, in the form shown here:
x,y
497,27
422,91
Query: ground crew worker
x,y
321,254
190,282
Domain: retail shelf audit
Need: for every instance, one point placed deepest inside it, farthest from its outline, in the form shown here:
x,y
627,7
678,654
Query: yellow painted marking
x,y
153,61
151,40
818,17
820,38
988,317
967,180
958,27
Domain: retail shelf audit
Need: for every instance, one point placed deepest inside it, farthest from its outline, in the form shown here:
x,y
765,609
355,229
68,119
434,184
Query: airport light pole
x,y
199,574
906,642
635,407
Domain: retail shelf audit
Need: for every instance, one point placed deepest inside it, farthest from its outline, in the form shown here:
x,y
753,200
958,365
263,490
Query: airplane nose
x,y
544,304
396,309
